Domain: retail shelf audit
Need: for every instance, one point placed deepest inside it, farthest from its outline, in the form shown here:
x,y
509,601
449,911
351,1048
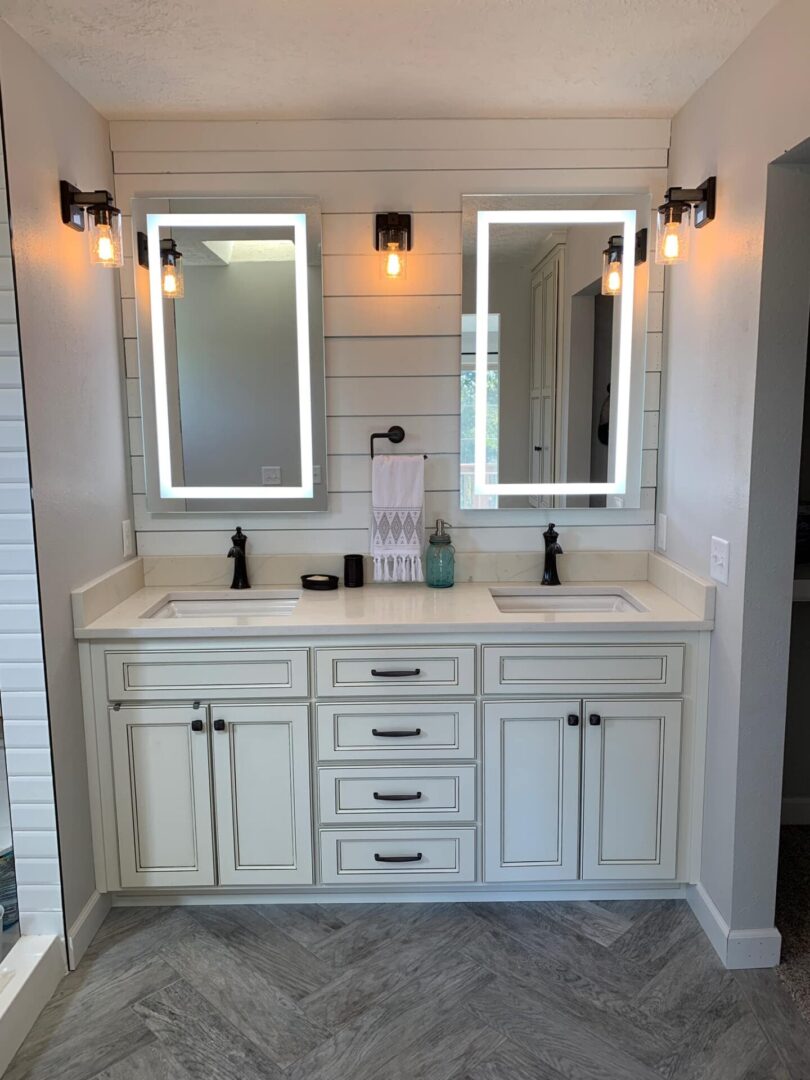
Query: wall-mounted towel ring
x,y
395,434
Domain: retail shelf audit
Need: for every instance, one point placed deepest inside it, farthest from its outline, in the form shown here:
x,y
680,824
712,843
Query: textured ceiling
x,y
384,58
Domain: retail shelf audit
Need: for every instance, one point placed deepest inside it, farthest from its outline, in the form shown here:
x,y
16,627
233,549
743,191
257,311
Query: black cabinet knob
x,y
594,719
196,725
573,719
219,725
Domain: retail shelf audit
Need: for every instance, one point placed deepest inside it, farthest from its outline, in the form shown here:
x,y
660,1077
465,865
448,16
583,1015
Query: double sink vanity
x,y
487,739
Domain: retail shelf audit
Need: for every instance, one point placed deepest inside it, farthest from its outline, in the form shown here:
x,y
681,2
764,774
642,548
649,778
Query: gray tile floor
x,y
563,991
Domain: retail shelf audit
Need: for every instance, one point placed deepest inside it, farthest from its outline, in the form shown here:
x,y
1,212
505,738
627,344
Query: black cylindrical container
x,y
353,571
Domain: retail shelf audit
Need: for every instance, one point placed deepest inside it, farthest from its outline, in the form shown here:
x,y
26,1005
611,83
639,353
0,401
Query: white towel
x,y
397,516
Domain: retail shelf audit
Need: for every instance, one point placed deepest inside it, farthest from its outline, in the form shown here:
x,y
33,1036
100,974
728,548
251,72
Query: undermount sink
x,y
564,598
219,605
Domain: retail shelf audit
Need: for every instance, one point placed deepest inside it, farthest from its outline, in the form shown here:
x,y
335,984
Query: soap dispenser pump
x,y
441,558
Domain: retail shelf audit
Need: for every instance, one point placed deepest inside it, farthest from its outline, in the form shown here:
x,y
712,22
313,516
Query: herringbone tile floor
x,y
626,990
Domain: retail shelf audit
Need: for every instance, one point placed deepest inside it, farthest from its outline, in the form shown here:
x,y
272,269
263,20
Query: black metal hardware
x,y
196,725
219,725
703,198
641,247
398,858
73,203
237,553
553,549
395,674
397,798
168,251
594,719
396,734
573,719
117,707
195,705
395,434
393,227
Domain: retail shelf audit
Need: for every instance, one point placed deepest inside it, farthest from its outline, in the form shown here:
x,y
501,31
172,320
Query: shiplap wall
x,y
22,674
392,348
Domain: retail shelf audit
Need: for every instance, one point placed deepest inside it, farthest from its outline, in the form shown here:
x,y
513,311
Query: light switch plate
x,y
661,533
718,560
127,538
271,475
316,474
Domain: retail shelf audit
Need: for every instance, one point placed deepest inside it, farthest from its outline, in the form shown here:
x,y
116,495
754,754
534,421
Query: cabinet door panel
x,y
261,776
531,790
162,796
630,807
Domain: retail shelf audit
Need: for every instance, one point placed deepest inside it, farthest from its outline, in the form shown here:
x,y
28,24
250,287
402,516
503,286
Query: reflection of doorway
x,y
547,289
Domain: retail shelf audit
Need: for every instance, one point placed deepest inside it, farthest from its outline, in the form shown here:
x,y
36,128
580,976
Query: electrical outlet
x,y
661,533
718,560
271,475
316,474
128,541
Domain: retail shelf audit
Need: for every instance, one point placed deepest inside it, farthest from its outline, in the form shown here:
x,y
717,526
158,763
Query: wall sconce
x,y
172,280
612,268
94,209
392,238
675,216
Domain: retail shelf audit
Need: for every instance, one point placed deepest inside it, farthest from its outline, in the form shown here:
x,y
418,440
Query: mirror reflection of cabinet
x,y
546,339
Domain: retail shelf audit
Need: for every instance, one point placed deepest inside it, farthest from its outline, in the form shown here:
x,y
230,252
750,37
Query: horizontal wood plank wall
x,y
24,726
392,348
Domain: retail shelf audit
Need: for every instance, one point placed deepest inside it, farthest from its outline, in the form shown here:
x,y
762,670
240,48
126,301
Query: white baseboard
x,y
796,811
86,926
36,965
737,949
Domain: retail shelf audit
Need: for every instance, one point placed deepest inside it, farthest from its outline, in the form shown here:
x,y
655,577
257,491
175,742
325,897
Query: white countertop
x,y
391,609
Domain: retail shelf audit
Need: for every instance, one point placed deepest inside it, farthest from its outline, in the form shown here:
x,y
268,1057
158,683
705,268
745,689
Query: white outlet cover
x,y
316,474
719,560
271,475
661,533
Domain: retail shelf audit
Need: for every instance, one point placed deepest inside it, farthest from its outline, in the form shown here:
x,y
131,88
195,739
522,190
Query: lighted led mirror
x,y
552,370
231,355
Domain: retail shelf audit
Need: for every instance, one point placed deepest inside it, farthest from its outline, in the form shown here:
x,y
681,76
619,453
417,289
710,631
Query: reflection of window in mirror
x,y
467,443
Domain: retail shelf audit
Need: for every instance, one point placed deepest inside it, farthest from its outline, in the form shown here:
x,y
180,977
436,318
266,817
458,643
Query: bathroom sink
x,y
563,598
224,604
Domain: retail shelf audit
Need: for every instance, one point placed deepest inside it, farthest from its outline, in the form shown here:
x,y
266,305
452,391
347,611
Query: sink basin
x,y
224,604
564,598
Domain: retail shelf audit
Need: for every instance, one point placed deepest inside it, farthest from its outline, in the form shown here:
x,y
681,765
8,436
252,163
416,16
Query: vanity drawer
x,y
397,792
580,669
360,856
184,675
394,672
430,729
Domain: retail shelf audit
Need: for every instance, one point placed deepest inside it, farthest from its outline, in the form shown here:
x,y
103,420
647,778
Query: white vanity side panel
x,y
392,349
22,675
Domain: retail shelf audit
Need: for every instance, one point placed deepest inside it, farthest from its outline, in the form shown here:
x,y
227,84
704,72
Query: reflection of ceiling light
x,y
171,271
612,268
242,251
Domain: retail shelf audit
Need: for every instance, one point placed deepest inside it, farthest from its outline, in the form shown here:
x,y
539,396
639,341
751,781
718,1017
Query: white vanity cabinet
x,y
184,774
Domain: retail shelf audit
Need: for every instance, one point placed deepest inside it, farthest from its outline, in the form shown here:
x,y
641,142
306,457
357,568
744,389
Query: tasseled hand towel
x,y
397,513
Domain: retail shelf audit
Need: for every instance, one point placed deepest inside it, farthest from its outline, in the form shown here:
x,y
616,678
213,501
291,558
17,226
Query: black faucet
x,y
237,553
553,549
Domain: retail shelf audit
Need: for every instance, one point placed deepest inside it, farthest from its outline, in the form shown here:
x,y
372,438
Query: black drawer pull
x,y
396,734
196,725
396,674
573,719
397,798
219,725
398,858
594,719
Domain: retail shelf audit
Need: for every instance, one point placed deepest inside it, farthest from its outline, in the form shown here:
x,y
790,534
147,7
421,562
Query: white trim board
x,y
86,926
738,949
37,964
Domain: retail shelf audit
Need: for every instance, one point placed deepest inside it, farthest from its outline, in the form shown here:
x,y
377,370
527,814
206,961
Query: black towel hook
x,y
395,434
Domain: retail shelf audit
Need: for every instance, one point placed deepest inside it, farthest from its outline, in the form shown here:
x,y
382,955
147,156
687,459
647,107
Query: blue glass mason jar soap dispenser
x,y
441,559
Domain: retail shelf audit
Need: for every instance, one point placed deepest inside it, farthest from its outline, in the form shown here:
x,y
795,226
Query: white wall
x,y
754,108
70,334
22,673
392,348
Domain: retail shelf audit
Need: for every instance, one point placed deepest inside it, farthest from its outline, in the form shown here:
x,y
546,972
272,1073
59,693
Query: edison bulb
x,y
106,248
393,261
614,281
672,242
171,280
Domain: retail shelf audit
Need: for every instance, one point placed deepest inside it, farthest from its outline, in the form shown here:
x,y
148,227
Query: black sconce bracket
x,y
616,243
703,198
73,203
143,249
391,222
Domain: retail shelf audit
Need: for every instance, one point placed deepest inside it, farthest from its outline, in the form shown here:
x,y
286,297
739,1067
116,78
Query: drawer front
x,y
188,675
363,856
394,672
397,793
580,669
426,730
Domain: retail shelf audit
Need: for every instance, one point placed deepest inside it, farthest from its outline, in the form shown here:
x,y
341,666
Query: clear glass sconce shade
x,y
106,242
393,261
171,277
672,234
611,272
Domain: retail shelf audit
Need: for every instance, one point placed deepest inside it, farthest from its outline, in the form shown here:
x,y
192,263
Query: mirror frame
x,y
624,490
149,215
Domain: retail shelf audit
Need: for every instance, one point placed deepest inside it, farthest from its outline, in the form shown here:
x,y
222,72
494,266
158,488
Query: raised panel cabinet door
x,y
531,790
162,795
261,784
630,789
